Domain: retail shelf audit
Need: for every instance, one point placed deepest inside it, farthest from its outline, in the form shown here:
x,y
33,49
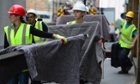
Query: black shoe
x,y
128,68
123,72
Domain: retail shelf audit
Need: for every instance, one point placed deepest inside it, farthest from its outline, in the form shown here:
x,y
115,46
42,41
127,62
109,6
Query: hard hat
x,y
79,6
87,9
32,11
130,14
17,9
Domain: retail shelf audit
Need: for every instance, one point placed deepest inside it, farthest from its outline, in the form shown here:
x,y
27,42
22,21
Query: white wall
x,y
117,4
4,7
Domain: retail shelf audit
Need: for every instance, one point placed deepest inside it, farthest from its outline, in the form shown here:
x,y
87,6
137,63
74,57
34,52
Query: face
x,y
13,18
128,19
31,18
78,14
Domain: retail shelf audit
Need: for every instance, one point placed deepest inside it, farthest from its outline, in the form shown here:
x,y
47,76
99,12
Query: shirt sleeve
x,y
45,28
39,33
134,33
6,44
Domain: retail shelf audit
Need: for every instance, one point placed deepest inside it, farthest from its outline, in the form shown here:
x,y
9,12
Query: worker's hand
x,y
100,41
132,46
62,38
131,57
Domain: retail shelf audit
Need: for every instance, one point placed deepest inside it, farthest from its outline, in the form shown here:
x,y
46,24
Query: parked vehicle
x,y
47,17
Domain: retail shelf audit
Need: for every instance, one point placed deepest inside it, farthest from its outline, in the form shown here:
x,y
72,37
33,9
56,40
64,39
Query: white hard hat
x,y
32,11
79,6
87,9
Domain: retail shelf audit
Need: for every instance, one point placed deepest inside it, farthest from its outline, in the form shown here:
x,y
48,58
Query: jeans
x,y
21,78
125,62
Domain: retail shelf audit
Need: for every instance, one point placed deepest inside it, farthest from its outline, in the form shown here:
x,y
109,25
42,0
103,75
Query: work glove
x,y
62,38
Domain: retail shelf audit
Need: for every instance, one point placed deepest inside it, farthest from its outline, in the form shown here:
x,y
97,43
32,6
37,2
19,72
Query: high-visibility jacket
x,y
38,25
126,37
71,22
20,37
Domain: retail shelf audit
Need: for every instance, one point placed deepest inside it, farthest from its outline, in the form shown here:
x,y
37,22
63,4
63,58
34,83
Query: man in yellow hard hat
x,y
127,41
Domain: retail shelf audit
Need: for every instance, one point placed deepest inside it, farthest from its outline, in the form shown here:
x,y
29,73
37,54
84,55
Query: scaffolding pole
x,y
138,48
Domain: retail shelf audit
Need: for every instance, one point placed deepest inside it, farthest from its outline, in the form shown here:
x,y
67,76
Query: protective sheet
x,y
51,61
91,51
10,65
103,23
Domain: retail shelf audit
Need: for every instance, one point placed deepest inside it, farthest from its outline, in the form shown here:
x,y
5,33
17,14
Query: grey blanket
x,y
103,23
64,64
54,61
49,62
91,51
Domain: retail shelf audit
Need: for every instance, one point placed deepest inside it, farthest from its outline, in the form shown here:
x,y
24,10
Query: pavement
x,y
111,75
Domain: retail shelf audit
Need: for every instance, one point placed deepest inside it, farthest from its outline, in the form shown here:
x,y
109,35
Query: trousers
x,y
124,61
21,78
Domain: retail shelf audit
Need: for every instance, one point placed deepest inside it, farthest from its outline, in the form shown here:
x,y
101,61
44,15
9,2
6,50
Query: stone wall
x,y
36,4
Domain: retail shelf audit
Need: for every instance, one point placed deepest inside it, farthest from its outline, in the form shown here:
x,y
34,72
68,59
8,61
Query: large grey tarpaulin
x,y
89,64
103,23
51,61
64,64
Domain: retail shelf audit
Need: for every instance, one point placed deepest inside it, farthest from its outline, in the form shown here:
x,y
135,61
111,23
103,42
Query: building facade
x,y
36,4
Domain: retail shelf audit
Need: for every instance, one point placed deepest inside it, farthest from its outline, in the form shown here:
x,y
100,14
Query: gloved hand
x,y
62,38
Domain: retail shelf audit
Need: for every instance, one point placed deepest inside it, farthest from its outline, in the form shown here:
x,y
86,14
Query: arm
x,y
39,33
134,42
6,44
45,28
43,34
135,35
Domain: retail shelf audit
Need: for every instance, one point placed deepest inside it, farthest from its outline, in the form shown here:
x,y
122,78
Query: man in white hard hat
x,y
79,10
32,19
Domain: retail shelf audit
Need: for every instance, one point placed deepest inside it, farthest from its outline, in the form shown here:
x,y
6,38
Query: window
x,y
44,16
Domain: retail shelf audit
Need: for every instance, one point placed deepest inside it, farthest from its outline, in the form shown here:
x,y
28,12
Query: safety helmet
x,y
79,6
130,14
87,9
17,9
32,11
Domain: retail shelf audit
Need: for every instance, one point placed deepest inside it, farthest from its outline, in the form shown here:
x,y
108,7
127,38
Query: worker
x,y
20,33
79,10
32,20
127,41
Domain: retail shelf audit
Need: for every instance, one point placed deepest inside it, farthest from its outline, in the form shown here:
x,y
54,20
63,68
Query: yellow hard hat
x,y
130,14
